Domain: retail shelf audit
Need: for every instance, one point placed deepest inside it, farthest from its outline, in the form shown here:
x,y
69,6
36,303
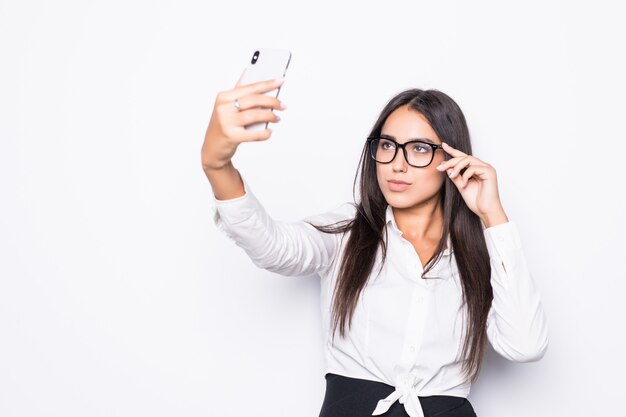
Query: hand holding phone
x,y
229,125
265,64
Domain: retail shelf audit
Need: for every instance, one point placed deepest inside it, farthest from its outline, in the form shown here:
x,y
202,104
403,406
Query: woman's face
x,y
405,124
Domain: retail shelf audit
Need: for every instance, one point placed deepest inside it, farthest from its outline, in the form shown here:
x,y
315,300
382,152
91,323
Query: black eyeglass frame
x,y
434,147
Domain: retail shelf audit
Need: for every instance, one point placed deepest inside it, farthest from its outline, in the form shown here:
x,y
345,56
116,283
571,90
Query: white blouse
x,y
406,331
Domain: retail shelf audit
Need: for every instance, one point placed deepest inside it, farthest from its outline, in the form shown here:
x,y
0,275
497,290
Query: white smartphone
x,y
266,64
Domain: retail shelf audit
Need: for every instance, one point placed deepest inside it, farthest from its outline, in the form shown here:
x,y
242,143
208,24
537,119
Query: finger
x,y
452,162
479,172
255,135
257,87
456,166
452,151
251,116
455,180
258,100
443,165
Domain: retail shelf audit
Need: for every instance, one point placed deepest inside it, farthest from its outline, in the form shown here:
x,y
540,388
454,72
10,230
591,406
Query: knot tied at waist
x,y
406,393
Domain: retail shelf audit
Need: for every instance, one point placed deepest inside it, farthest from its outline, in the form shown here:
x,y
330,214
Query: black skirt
x,y
354,397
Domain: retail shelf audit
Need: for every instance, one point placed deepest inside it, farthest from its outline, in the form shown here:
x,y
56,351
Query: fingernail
x,y
280,80
282,105
277,118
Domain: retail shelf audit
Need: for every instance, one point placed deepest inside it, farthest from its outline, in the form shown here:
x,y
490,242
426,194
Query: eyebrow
x,y
382,135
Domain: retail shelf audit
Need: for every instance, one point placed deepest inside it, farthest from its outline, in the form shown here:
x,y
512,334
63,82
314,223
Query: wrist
x,y
494,219
217,168
217,174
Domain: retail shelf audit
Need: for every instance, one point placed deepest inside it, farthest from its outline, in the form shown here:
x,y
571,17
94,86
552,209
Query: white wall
x,y
119,297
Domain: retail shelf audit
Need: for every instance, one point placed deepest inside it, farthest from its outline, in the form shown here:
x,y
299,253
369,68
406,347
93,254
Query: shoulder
x,y
344,211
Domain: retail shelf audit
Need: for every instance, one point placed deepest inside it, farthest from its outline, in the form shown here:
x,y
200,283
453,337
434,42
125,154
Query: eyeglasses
x,y
417,153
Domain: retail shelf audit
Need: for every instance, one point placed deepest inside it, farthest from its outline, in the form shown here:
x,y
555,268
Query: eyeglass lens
x,y
418,154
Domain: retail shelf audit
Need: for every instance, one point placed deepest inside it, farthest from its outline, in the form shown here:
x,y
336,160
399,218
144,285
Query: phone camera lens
x,y
255,57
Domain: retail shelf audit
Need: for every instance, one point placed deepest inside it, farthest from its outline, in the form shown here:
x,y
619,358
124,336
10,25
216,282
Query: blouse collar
x,y
394,226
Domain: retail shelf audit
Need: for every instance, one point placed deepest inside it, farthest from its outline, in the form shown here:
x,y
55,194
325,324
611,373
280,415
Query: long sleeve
x,y
517,327
288,248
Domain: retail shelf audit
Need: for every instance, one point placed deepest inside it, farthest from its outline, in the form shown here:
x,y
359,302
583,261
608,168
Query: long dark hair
x,y
466,232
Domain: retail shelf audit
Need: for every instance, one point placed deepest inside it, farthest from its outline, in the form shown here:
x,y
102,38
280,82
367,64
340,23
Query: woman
x,y
416,277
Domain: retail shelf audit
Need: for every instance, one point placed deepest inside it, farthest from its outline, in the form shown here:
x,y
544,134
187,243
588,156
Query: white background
x,y
119,297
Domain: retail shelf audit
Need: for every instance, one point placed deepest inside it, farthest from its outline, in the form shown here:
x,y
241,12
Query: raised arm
x,y
517,327
290,248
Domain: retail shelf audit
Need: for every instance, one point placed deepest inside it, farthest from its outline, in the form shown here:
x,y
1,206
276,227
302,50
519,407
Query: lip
x,y
398,185
399,182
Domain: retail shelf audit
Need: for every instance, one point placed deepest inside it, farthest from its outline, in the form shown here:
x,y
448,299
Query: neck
x,y
421,222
